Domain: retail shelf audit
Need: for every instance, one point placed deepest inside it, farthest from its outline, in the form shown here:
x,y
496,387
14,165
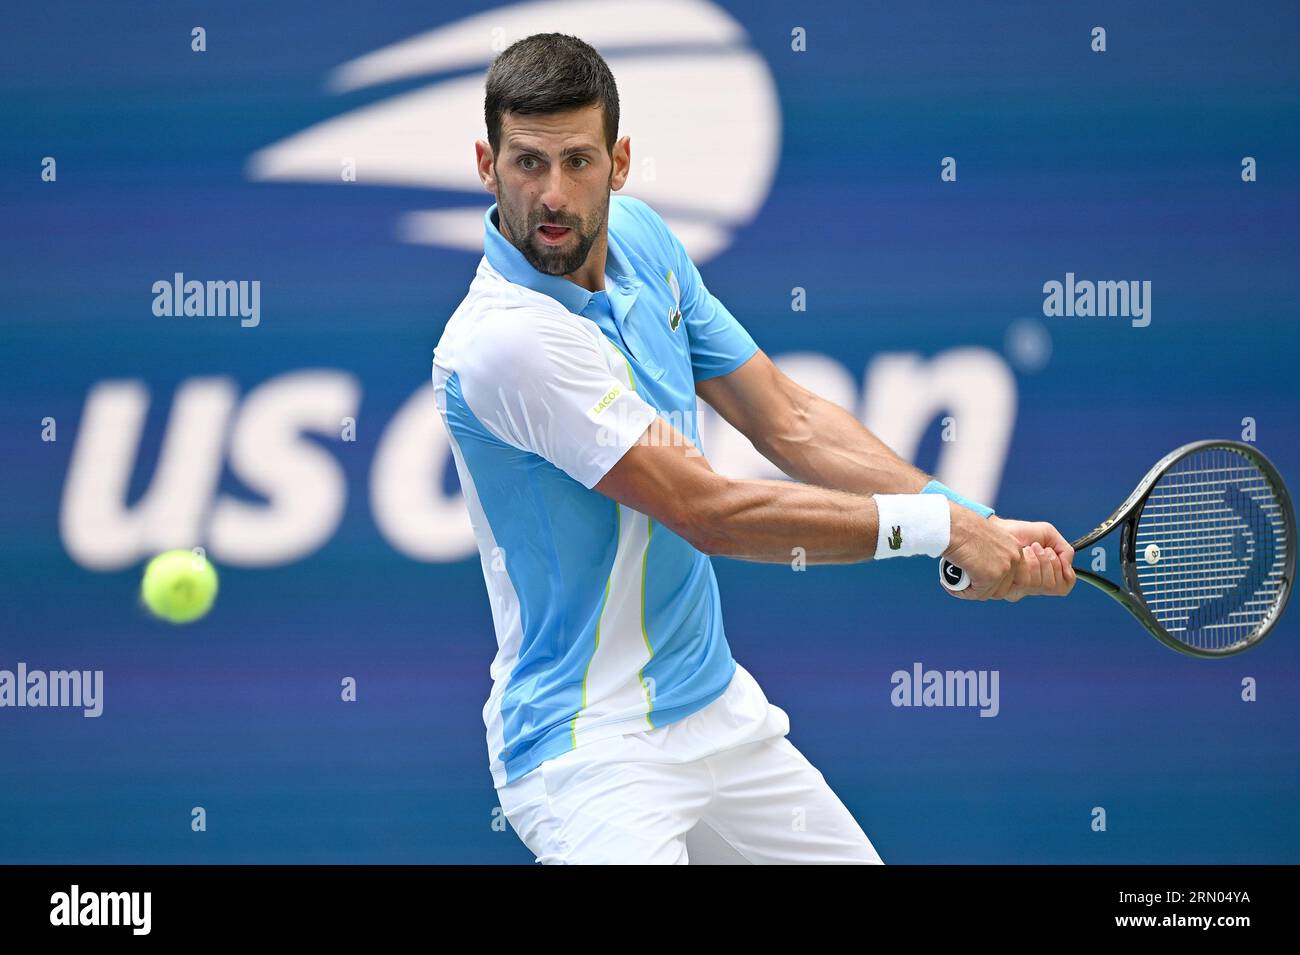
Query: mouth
x,y
553,234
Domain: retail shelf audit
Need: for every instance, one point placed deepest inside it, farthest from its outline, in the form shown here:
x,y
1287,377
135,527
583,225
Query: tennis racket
x,y
1207,552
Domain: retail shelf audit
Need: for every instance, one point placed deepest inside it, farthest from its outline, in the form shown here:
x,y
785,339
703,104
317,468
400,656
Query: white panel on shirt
x,y
548,381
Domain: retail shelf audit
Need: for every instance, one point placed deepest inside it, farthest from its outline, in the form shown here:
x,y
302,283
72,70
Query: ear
x,y
484,160
621,163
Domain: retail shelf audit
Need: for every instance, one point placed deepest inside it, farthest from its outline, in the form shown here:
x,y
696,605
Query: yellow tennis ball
x,y
179,585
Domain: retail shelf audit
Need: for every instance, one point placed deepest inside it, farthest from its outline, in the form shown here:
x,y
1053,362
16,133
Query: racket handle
x,y
952,577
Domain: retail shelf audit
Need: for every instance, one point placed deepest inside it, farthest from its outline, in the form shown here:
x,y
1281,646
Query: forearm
x,y
776,521
822,444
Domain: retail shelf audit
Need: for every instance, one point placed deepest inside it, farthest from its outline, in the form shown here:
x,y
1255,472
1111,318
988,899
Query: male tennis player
x,y
619,726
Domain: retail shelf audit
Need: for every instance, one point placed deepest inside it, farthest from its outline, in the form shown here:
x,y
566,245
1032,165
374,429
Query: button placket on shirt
x,y
634,332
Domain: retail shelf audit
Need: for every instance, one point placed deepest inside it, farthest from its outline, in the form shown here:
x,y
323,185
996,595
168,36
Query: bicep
x,y
757,399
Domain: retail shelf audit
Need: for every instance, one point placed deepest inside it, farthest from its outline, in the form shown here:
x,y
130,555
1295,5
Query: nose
x,y
553,197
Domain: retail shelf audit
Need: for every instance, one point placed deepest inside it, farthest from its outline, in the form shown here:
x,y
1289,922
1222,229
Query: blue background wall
x,y
1117,165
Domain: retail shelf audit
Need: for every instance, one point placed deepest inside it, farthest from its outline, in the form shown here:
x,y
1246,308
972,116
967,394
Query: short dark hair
x,y
549,73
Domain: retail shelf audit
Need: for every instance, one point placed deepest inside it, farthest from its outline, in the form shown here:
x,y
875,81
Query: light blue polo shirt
x,y
606,621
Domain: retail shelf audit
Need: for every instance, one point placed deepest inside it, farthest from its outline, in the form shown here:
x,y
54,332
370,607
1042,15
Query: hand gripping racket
x,y
1207,553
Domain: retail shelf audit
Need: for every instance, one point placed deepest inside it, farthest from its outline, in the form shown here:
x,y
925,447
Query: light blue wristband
x,y
934,487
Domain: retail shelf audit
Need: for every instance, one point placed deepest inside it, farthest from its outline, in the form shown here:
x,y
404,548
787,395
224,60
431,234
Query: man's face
x,y
552,182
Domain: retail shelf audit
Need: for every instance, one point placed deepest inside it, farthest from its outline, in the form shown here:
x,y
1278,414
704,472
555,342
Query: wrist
x,y
962,520
912,524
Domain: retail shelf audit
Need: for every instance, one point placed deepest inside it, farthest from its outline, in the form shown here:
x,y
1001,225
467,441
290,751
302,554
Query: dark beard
x,y
547,260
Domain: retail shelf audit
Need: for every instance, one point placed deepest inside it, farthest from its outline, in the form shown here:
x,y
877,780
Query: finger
x,y
1022,577
1036,553
1051,566
1008,590
1064,550
1008,583
1037,557
1031,574
1066,579
1049,536
1070,578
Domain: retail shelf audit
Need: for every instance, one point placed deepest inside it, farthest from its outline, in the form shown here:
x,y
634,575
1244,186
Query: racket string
x,y
1211,549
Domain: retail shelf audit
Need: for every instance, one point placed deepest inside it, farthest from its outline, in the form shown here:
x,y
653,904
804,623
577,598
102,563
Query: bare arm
x,y
665,476
809,438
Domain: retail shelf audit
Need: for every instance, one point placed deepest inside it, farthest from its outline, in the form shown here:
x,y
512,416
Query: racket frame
x,y
1128,515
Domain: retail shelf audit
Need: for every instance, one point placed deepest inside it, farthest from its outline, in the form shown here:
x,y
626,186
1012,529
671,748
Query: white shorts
x,y
721,786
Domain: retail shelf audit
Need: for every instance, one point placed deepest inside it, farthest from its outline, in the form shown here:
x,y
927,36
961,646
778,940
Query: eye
x,y
528,163
581,162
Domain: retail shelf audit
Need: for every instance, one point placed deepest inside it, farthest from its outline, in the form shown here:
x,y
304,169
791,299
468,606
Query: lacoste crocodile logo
x,y
896,539
674,313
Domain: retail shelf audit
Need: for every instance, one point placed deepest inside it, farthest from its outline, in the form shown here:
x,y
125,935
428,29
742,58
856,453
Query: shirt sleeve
x,y
541,380
719,343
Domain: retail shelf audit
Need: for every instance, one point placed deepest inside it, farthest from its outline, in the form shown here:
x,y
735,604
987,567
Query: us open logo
x,y
689,86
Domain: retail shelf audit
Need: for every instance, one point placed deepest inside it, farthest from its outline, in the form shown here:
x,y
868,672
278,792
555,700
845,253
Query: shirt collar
x,y
510,262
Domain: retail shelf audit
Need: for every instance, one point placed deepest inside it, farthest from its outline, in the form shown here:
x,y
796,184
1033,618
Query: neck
x,y
591,275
